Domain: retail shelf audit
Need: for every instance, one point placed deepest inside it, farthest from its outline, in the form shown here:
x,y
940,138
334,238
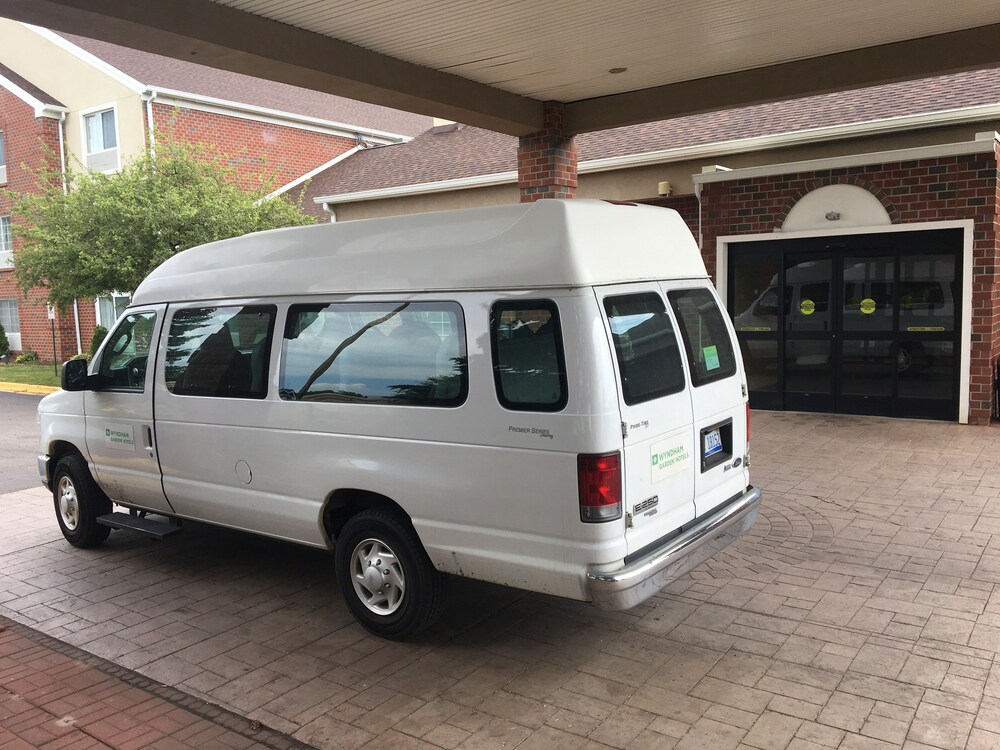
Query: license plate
x,y
713,442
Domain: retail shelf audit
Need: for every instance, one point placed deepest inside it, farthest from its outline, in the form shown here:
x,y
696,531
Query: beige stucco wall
x,y
79,86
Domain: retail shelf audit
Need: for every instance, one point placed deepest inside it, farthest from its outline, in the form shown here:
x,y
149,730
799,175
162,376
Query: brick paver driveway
x,y
861,612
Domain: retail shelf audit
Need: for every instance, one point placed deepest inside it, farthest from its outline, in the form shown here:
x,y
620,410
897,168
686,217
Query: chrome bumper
x,y
634,583
43,471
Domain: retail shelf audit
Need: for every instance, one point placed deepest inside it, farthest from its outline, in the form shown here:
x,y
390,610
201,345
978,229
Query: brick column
x,y
546,160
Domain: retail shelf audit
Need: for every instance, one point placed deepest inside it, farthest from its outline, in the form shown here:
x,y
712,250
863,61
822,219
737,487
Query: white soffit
x,y
492,64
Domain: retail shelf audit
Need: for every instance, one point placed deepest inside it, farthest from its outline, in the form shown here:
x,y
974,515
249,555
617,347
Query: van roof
x,y
549,243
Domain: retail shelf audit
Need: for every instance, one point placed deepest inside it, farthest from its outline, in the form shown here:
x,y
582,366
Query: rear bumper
x,y
632,584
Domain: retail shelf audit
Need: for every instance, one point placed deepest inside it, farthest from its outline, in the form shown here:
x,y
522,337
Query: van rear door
x,y
718,393
657,425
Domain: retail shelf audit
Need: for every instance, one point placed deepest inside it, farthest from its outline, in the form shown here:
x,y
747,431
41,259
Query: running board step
x,y
155,529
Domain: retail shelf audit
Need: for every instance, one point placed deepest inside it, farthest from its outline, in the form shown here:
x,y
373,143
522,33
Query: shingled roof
x,y
459,152
158,71
28,87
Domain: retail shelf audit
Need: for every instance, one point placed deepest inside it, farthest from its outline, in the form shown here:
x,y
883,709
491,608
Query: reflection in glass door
x,y
809,330
865,324
866,313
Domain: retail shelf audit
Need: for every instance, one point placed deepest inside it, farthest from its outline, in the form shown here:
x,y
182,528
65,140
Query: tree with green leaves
x,y
108,231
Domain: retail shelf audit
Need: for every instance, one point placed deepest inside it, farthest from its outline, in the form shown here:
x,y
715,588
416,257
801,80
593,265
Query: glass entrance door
x,y
810,327
865,324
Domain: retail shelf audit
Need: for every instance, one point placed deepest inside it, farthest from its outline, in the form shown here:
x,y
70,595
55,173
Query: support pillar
x,y
546,160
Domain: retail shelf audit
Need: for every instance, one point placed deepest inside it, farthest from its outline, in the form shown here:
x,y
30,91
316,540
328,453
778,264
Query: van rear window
x,y
529,366
706,337
406,353
649,360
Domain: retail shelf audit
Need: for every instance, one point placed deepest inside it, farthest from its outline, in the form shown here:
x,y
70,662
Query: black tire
x,y
414,591
78,502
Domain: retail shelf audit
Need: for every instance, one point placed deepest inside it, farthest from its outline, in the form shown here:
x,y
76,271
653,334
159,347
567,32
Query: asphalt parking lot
x,y
861,612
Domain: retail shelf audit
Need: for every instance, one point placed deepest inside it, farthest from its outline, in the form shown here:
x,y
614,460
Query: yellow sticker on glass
x,y
807,307
867,306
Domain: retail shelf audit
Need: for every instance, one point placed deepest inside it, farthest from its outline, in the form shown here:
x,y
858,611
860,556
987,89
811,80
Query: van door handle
x,y
148,432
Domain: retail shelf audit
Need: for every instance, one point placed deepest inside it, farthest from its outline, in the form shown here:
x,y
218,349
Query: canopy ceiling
x,y
492,64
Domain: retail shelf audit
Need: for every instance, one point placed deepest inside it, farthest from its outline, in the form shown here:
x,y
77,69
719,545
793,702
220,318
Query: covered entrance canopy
x,y
493,65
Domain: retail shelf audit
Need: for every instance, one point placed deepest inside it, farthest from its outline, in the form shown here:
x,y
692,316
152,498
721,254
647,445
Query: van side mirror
x,y
74,375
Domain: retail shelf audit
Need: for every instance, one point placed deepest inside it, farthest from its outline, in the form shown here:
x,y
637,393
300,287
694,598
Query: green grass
x,y
34,374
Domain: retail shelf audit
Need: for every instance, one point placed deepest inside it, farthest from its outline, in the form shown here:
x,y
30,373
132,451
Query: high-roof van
x,y
547,396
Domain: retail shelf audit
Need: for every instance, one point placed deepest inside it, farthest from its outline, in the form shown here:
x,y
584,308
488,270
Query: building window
x,y
3,161
101,140
110,308
11,323
6,244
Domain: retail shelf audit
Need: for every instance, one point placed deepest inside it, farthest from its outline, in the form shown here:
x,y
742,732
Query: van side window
x,y
529,366
706,338
220,351
123,360
407,353
649,360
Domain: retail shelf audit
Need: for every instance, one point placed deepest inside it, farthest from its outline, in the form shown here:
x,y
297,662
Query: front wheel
x,y
388,582
78,502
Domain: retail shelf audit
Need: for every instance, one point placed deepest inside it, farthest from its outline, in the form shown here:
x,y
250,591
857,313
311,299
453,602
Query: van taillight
x,y
748,424
600,479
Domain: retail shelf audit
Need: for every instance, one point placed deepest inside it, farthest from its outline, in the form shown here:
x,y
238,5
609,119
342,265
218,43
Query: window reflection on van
x,y
649,361
528,362
219,351
409,353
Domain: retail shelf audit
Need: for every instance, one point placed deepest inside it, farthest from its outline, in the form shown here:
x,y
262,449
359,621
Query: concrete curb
x,y
36,390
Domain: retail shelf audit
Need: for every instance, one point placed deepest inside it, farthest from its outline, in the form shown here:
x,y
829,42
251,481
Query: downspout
x,y
65,187
149,122
332,211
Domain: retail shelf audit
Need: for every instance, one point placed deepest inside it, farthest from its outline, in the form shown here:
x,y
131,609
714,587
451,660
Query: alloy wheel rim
x,y
69,504
378,577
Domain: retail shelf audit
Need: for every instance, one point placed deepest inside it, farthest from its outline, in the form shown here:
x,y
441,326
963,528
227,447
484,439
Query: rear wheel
x,y
78,502
387,580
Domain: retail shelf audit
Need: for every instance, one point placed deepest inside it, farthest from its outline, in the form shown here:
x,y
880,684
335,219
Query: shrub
x,y
4,344
26,358
81,356
95,341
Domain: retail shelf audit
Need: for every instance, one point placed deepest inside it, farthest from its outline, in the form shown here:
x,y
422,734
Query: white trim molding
x,y
211,104
53,111
983,143
968,234
312,173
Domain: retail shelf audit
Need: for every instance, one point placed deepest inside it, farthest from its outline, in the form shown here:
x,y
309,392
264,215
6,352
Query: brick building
x,y
855,236
89,103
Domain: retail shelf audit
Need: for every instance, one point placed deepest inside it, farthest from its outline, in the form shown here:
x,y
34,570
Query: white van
x,y
546,396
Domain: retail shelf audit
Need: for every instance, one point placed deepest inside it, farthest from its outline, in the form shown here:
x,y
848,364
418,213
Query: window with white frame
x,y
101,140
6,244
11,323
110,308
3,161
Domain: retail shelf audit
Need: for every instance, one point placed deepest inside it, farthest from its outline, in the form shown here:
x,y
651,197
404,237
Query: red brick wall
x,y
685,205
32,144
547,160
253,149
948,188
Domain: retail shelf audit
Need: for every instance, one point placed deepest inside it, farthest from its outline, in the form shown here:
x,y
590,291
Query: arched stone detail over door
x,y
855,203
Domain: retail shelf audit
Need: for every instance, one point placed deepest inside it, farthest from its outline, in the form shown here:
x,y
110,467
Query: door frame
x,y
966,225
